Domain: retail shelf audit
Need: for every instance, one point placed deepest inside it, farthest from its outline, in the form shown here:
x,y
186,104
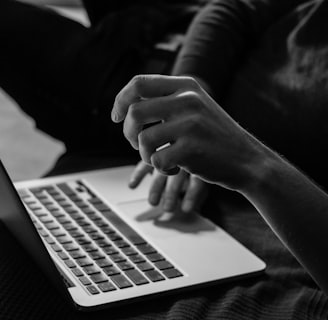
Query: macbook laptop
x,y
102,244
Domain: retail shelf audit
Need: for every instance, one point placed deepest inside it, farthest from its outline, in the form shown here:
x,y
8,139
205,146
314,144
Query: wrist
x,y
260,170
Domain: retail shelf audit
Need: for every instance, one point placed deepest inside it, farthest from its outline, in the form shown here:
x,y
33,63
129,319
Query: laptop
x,y
103,245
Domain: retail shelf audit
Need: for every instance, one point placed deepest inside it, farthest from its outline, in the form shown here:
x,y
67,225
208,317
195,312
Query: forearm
x,y
295,208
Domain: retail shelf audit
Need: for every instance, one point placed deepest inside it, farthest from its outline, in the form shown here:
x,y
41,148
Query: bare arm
x,y
295,208
204,140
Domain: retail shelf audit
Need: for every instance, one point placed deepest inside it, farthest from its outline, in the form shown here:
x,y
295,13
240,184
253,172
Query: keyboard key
x,y
94,217
107,230
101,206
64,239
123,227
46,219
145,266
43,233
129,251
40,213
66,189
146,248
117,258
161,265
49,240
64,203
99,277
172,273
71,210
52,226
58,197
45,201
114,237
110,271
92,289
96,236
76,254
82,241
63,220
89,229
70,246
101,223
83,223
87,210
103,263
137,258
95,200
110,250
89,247
76,216
77,272
74,197
81,204
70,263
121,281
155,257
57,232
51,207
106,286
23,193
103,243
83,262
125,265
76,233
154,275
85,281
56,247
69,226
34,206
121,244
96,255
136,277
63,255
57,213
91,270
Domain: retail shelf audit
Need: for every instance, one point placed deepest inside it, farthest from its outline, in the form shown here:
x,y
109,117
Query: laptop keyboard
x,y
99,248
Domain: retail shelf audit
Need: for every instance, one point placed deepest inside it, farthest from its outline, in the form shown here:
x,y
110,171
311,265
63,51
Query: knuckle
x,y
143,138
138,81
134,111
157,162
192,83
191,125
126,132
193,100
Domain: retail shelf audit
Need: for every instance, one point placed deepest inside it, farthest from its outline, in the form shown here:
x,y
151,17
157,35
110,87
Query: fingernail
x,y
153,199
187,206
132,183
114,116
168,205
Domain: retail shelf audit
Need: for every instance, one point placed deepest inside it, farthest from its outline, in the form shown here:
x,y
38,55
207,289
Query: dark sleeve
x,y
222,33
98,9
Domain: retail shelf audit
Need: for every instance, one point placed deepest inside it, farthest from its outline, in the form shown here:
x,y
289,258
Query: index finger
x,y
147,86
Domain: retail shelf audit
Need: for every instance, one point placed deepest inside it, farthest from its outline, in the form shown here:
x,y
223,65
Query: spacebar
x,y
123,227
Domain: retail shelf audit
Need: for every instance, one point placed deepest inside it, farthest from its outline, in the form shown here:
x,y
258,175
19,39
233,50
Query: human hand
x,y
169,190
191,130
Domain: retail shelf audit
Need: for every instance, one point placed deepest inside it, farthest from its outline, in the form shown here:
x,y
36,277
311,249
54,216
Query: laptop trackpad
x,y
159,223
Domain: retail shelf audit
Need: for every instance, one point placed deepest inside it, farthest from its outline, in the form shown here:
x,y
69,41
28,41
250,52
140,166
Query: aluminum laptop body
x,y
161,253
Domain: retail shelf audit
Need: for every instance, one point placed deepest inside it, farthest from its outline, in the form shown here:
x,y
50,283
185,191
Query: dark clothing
x,y
265,62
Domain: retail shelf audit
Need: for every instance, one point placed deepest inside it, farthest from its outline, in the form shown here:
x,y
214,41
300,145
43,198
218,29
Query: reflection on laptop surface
x,y
103,244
